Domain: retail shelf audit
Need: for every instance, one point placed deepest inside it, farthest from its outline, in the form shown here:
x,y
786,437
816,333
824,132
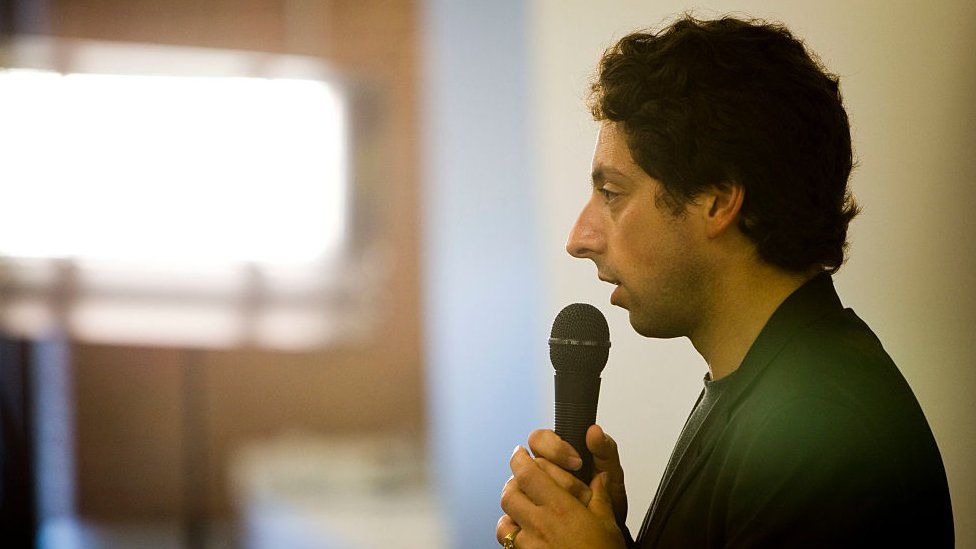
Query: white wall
x,y
908,75
486,338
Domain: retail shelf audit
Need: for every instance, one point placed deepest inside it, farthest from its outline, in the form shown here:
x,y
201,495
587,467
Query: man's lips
x,y
614,297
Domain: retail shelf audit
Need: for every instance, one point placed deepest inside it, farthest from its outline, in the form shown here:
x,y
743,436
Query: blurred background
x,y
280,273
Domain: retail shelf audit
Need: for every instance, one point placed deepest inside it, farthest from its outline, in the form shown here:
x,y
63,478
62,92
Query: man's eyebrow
x,y
601,173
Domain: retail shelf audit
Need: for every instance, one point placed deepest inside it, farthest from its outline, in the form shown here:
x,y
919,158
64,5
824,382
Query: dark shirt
x,y
706,401
815,440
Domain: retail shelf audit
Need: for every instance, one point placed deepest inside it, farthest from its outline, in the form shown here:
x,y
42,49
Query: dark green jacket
x,y
817,441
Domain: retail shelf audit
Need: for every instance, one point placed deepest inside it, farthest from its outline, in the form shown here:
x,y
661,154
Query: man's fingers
x,y
516,504
607,459
566,480
523,539
604,450
533,481
601,504
546,443
505,527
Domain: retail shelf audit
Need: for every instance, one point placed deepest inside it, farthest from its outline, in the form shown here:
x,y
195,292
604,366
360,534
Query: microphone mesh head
x,y
580,340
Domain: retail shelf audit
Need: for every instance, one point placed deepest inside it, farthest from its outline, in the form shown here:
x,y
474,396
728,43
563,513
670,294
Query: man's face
x,y
654,257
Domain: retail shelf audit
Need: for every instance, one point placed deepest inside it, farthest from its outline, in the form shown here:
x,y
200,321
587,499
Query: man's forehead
x,y
611,156
607,133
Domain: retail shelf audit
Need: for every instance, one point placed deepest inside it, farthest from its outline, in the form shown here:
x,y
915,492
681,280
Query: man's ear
x,y
723,202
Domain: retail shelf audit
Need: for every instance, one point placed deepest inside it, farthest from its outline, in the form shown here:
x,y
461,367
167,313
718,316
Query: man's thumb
x,y
604,449
600,504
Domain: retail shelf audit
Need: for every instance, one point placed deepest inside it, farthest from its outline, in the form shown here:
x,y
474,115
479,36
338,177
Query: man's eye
x,y
609,195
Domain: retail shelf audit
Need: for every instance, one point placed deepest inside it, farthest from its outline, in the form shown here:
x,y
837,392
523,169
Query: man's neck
x,y
742,303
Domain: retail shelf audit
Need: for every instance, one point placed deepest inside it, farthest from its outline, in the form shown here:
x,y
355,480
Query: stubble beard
x,y
675,307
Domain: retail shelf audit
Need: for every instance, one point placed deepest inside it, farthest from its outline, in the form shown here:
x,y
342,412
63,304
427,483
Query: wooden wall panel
x,y
128,421
255,395
246,24
128,471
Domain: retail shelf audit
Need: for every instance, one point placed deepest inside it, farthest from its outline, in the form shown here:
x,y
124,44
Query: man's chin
x,y
638,325
650,329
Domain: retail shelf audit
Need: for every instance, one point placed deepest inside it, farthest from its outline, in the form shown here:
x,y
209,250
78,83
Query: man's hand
x,y
547,445
552,516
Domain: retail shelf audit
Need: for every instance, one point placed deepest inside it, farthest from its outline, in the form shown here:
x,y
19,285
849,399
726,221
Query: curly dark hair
x,y
708,103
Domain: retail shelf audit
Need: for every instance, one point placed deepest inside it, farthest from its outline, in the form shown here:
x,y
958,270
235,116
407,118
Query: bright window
x,y
179,196
170,168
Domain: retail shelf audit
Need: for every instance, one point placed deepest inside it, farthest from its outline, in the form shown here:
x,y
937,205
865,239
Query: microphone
x,y
578,348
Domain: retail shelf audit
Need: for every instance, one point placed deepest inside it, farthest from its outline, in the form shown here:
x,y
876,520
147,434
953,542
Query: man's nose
x,y
586,239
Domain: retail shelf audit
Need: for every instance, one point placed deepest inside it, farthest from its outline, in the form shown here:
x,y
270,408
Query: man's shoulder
x,y
838,360
832,408
834,385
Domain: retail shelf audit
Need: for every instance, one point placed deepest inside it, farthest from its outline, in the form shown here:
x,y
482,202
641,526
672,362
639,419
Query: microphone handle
x,y
576,400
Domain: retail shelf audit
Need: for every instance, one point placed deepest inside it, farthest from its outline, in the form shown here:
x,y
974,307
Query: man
x,y
719,211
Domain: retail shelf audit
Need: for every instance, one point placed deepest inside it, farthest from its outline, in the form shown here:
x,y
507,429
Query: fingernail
x,y
515,450
575,463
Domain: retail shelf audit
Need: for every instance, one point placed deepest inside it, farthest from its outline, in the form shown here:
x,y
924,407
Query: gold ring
x,y
508,542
